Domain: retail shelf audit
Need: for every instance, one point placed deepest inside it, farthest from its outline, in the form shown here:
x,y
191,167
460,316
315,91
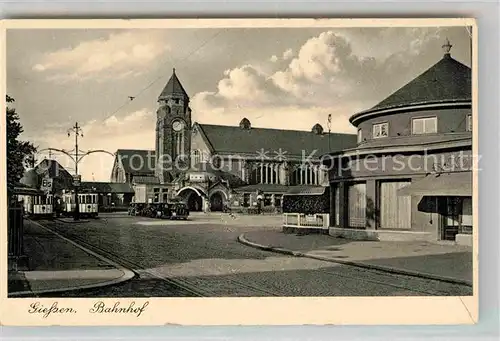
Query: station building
x,y
212,166
410,175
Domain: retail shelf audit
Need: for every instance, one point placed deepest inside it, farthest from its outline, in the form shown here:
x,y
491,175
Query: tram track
x,y
385,279
223,286
196,287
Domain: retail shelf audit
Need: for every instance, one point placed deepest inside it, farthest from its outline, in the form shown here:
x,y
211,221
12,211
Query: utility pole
x,y
77,130
329,131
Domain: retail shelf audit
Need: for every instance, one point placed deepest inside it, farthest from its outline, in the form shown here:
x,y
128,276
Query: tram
x,y
38,206
88,204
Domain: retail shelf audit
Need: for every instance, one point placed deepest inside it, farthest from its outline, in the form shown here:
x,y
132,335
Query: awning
x,y
306,190
265,188
23,190
446,184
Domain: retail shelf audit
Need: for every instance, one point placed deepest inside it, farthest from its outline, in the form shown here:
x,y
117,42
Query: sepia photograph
x,y
238,162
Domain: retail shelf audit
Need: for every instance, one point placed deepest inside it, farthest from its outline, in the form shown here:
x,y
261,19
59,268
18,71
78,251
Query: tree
x,y
18,152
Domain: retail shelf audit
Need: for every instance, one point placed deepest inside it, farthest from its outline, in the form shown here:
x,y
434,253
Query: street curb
x,y
127,274
81,221
242,239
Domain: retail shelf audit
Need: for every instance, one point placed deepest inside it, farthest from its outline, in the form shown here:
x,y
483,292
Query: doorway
x,y
450,208
194,202
395,211
216,202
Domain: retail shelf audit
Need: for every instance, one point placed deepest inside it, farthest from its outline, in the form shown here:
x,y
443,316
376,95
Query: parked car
x,y
177,210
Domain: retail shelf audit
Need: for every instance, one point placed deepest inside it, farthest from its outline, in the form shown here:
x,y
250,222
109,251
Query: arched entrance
x,y
193,198
194,202
216,202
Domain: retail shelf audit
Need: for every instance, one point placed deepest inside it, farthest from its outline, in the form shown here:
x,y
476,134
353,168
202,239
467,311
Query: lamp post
x,y
76,158
77,130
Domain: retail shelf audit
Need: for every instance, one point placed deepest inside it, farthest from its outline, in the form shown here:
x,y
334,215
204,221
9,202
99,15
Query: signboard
x,y
310,218
77,179
46,185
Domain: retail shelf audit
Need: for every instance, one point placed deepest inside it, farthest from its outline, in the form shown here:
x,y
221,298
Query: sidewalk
x,y
268,220
57,264
447,262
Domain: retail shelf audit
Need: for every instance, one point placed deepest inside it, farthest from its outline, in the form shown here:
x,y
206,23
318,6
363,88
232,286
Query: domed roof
x,y
245,123
317,129
446,81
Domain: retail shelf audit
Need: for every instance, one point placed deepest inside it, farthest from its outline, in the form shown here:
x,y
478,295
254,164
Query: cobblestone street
x,y
202,257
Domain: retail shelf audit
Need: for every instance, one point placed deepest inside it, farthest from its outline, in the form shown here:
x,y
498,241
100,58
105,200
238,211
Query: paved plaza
x,y
120,255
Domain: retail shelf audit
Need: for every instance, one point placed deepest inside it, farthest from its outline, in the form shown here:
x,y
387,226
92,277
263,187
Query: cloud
x,y
39,67
273,59
123,54
245,86
288,54
330,73
135,130
324,77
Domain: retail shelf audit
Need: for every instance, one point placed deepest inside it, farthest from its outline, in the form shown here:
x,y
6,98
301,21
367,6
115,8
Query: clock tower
x,y
173,126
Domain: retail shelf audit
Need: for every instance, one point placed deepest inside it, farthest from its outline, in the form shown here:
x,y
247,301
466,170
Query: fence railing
x,y
320,220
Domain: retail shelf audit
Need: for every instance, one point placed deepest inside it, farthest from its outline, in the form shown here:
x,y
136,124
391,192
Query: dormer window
x,y
469,122
424,125
380,130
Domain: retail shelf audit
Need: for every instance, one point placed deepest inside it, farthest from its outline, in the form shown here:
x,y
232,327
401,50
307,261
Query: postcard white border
x,y
249,311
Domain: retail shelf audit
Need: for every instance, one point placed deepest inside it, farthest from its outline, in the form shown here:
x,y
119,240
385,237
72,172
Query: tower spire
x,y
446,47
174,88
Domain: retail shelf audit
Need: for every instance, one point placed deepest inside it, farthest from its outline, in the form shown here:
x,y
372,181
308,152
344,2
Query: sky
x,y
284,78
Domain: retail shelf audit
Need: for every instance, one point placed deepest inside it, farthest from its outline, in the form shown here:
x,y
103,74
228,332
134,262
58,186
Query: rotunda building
x,y
410,175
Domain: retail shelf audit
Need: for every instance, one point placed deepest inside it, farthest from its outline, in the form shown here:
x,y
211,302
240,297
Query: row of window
x,y
82,199
269,174
419,126
38,200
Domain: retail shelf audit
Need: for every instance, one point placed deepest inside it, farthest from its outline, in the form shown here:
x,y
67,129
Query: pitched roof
x,y
446,81
137,161
106,187
231,139
53,169
173,88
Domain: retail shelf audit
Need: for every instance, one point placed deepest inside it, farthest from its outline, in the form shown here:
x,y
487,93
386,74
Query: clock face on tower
x,y
178,125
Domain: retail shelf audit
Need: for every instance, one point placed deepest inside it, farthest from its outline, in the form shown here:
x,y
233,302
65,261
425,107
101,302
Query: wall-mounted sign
x,y
77,179
46,185
310,218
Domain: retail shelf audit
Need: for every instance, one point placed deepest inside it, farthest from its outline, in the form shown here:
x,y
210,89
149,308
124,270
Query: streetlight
x,y
77,130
